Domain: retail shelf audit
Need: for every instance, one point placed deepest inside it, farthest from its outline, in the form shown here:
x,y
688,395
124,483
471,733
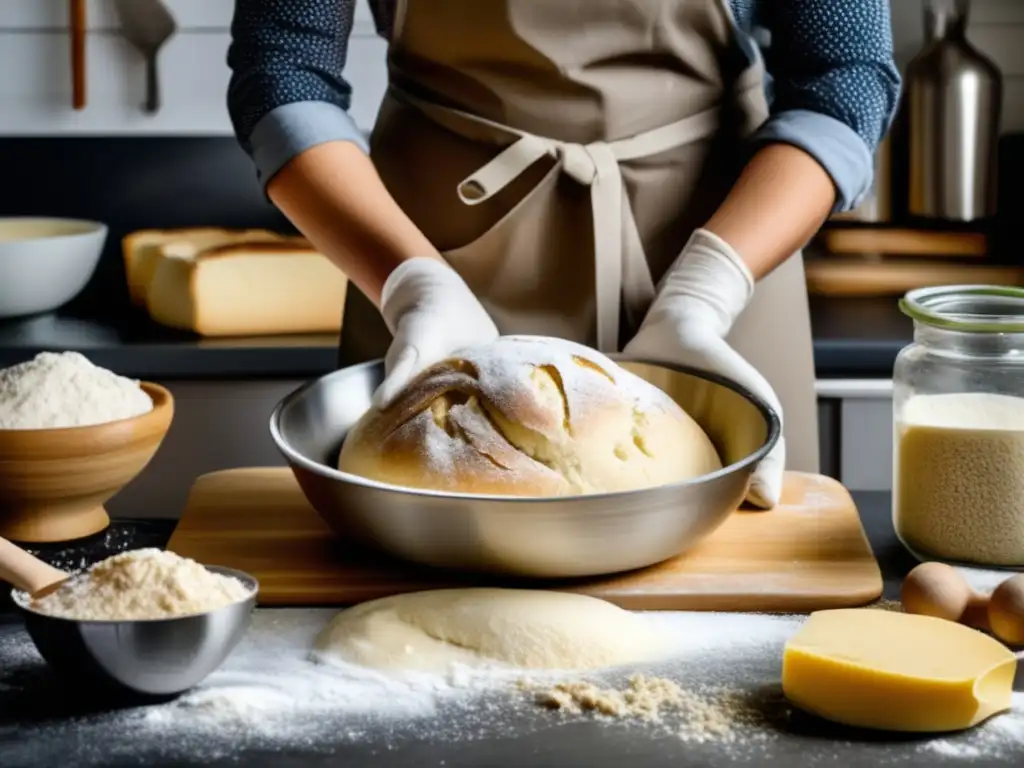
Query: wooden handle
x,y
26,572
77,24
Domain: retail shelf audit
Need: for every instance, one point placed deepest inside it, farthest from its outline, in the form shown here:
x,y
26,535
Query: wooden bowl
x,y
54,482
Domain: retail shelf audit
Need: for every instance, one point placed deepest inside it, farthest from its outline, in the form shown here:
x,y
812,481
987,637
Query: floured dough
x,y
533,629
529,416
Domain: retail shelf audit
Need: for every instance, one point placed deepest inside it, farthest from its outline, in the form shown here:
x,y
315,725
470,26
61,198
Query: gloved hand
x,y
697,303
430,312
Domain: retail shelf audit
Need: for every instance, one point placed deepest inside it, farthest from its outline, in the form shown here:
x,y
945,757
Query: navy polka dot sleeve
x,y
834,85
287,59
833,79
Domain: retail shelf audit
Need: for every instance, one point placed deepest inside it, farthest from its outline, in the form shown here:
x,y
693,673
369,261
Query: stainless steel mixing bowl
x,y
152,658
556,537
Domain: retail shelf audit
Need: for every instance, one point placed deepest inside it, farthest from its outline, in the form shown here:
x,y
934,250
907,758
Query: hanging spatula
x,y
147,24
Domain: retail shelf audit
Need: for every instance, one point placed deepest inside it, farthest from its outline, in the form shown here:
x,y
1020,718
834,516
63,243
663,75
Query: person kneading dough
x,y
529,416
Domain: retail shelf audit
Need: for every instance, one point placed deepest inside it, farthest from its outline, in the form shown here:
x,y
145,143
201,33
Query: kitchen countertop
x,y
853,338
35,712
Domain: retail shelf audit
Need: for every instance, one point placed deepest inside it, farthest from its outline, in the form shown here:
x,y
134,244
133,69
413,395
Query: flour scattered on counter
x,y
992,739
886,605
64,389
716,702
270,695
272,691
673,698
704,714
115,539
16,650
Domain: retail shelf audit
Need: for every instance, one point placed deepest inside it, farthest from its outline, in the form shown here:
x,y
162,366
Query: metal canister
x,y
954,94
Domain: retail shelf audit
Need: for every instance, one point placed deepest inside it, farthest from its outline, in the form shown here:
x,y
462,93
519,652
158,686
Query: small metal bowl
x,y
148,658
557,537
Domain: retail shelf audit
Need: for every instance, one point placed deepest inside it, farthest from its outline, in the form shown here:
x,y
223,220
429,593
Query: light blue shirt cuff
x,y
291,129
843,154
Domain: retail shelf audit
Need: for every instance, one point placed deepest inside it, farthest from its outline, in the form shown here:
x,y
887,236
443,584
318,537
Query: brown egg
x,y
936,589
1006,611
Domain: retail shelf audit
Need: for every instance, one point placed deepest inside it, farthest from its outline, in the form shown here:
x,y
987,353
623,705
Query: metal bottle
x,y
954,93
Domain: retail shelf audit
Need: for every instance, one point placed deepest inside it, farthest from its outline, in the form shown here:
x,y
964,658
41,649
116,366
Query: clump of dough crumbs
x,y
695,716
55,390
141,584
886,605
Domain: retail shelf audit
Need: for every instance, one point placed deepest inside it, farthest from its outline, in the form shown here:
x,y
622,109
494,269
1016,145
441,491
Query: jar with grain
x,y
958,415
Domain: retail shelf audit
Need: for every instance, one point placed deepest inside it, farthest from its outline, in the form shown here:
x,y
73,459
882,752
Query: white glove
x,y
431,313
697,303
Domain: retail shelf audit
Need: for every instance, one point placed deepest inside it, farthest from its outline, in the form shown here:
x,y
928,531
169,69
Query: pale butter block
x,y
141,250
247,289
896,671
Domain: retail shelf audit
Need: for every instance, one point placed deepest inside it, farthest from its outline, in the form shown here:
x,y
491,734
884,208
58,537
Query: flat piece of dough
x,y
519,628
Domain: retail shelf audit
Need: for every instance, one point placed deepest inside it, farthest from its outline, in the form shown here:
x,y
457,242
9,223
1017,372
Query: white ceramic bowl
x,y
44,263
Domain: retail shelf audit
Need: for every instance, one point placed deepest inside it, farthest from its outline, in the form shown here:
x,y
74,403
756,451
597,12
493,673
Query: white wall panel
x,y
37,101
193,71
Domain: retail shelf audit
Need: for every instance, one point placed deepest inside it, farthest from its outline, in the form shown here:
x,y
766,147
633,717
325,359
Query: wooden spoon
x,y
77,25
28,573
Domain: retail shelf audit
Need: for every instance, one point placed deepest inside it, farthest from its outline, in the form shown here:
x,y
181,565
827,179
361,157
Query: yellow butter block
x,y
896,671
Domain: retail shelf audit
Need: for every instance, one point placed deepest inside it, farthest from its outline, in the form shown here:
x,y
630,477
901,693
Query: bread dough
x,y
522,628
529,416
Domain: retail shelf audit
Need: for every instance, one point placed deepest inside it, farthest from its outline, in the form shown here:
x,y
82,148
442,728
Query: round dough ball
x,y
518,628
529,416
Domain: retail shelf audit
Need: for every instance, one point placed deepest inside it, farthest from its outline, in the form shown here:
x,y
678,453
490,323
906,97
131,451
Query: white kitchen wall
x,y
35,89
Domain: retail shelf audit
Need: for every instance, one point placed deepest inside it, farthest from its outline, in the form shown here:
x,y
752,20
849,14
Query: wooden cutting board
x,y
808,553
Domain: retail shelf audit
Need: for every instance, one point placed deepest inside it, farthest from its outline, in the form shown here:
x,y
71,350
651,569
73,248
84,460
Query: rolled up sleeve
x,y
287,92
835,86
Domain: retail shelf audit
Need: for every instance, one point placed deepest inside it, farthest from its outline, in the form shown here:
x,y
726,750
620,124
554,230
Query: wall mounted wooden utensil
x,y
77,26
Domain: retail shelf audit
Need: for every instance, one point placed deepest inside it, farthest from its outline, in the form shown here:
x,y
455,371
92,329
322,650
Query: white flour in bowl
x,y
64,389
141,584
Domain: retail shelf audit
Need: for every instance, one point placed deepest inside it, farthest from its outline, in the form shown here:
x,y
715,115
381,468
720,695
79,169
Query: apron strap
x,y
621,273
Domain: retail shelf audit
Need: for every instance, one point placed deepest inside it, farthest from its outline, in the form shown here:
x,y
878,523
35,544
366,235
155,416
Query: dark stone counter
x,y
41,719
853,338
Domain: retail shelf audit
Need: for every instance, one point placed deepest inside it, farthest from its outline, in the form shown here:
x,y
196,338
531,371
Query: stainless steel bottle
x,y
954,94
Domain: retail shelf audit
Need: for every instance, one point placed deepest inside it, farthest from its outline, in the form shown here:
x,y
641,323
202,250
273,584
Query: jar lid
x,y
967,308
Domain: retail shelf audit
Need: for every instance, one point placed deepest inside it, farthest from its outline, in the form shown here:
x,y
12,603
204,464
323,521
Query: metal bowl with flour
x,y
141,657
556,537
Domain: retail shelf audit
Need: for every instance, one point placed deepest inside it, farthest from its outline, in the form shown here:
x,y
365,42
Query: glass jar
x,y
958,418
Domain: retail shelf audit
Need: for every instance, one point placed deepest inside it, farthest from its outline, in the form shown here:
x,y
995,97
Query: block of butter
x,y
141,250
896,671
257,288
